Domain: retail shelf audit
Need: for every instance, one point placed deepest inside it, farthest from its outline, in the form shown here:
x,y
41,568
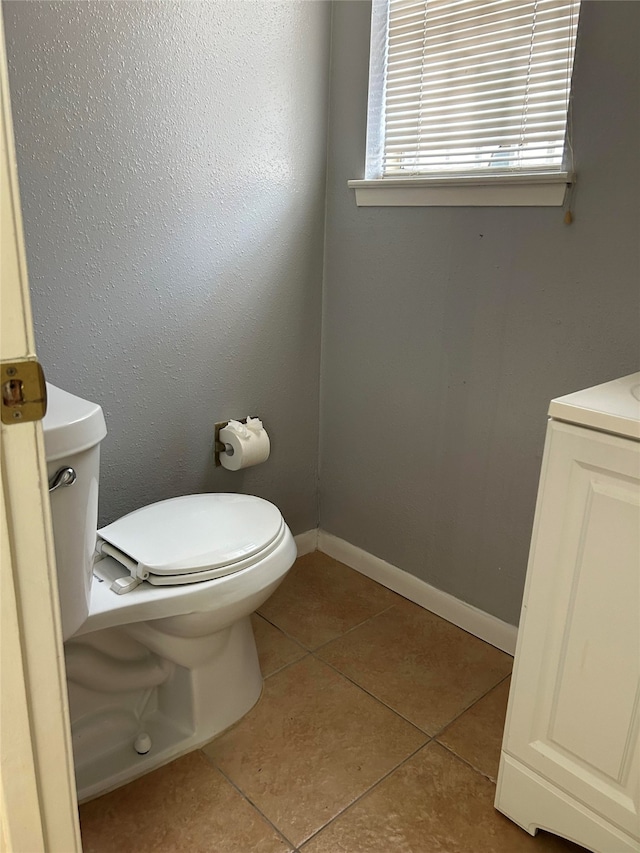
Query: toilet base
x,y
202,693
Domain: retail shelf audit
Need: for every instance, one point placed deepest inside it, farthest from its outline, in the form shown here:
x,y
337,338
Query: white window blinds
x,y
477,87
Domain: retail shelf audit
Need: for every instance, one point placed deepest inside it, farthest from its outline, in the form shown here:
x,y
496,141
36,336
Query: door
x,y
38,807
574,705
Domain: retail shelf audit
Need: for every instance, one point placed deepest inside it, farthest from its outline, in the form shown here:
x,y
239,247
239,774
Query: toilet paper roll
x,y
249,444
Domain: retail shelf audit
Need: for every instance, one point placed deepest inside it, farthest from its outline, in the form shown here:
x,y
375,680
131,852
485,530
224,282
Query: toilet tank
x,y
73,430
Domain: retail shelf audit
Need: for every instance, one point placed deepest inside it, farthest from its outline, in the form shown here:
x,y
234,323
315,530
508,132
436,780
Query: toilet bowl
x,y
155,608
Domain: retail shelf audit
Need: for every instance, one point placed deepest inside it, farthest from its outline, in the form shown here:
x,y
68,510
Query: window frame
x,y
532,189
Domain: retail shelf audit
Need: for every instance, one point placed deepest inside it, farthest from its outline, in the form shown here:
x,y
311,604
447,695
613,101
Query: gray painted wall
x,y
171,160
172,167
447,331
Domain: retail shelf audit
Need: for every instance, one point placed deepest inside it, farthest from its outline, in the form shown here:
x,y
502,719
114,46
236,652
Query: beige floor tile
x,y
321,599
185,806
275,650
476,735
313,744
422,666
434,803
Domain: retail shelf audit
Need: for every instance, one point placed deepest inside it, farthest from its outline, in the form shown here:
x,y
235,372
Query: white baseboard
x,y
483,625
307,542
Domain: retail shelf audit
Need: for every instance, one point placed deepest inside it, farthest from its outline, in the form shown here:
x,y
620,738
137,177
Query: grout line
x,y
406,719
365,793
287,665
282,631
430,738
326,642
470,705
422,731
352,628
465,761
244,796
314,653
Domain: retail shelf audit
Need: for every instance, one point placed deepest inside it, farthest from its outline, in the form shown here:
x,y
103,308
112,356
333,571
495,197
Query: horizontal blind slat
x,y
494,166
438,11
476,152
506,136
514,48
500,156
475,89
518,40
475,32
481,80
445,110
478,25
494,61
476,84
507,118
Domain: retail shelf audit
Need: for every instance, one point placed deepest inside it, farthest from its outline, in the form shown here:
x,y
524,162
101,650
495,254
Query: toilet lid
x,y
195,533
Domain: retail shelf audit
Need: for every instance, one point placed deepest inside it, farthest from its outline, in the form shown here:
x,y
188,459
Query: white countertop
x,y
611,407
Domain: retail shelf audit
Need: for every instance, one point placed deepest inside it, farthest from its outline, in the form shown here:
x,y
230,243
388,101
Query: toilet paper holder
x,y
219,446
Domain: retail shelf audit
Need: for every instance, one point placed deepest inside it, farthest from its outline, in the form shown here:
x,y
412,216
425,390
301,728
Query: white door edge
x,y
38,805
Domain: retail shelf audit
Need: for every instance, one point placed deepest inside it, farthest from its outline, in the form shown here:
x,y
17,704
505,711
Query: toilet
x,y
155,608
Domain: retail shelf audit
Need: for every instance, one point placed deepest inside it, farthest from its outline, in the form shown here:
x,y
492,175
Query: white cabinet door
x,y
574,706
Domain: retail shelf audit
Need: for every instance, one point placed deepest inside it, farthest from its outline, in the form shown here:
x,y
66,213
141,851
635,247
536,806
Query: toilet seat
x,y
192,538
147,602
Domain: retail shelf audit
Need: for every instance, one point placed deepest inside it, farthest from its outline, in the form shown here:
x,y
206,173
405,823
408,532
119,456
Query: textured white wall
x,y
172,160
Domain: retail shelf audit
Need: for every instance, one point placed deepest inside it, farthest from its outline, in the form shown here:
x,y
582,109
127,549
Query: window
x,y
468,102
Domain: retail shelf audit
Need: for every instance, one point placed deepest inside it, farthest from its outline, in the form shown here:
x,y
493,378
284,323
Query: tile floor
x,y
378,731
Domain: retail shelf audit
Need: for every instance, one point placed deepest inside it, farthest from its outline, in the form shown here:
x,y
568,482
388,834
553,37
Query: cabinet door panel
x,y
574,709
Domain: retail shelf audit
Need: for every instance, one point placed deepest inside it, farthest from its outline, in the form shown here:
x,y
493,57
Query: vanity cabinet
x,y
570,759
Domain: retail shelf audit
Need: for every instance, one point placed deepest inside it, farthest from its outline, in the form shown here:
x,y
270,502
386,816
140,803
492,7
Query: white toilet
x,y
155,608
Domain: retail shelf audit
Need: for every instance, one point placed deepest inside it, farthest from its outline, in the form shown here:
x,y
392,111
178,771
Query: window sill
x,y
533,190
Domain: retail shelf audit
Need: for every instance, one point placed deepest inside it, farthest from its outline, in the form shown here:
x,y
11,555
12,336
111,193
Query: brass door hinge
x,y
24,392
